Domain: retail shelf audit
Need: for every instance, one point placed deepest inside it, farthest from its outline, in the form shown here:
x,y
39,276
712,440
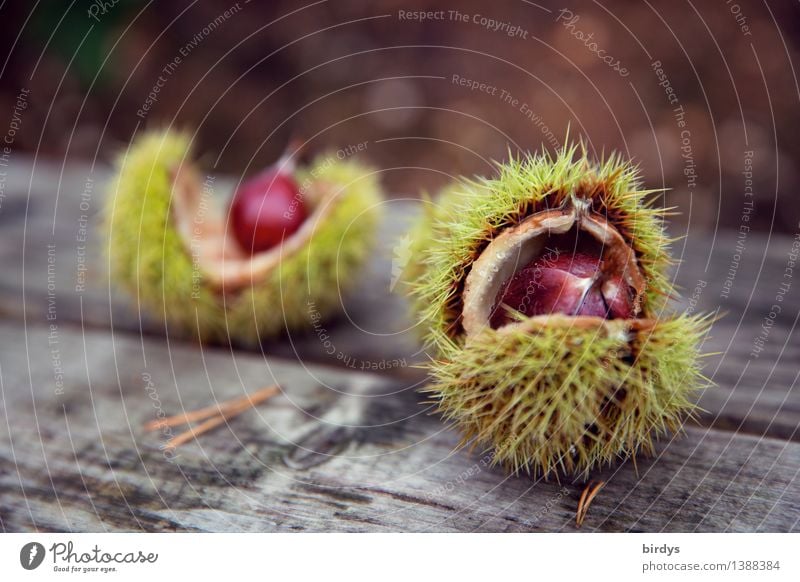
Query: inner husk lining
x,y
517,246
213,248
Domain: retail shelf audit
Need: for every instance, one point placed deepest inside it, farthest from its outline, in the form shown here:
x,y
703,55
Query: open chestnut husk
x,y
544,296
188,260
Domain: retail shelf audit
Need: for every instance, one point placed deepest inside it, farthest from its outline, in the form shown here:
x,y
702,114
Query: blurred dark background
x,y
251,74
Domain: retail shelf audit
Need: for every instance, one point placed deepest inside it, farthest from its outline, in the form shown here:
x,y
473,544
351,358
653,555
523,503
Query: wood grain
x,y
338,451
81,371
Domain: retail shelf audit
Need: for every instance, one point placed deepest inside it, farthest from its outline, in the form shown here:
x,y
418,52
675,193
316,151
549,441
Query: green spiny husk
x,y
149,260
548,398
551,398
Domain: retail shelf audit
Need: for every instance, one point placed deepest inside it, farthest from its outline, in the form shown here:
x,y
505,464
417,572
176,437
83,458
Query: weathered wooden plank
x,y
338,451
756,395
32,221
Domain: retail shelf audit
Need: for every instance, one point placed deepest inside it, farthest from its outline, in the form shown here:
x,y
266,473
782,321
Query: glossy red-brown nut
x,y
266,209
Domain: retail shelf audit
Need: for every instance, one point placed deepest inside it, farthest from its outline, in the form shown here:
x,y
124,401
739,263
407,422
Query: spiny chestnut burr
x,y
249,276
544,294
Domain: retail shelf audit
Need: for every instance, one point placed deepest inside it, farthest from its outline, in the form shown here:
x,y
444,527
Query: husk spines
x,y
552,398
149,260
562,398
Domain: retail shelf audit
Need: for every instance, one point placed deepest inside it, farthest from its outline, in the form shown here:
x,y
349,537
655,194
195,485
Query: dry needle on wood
x,y
214,415
587,496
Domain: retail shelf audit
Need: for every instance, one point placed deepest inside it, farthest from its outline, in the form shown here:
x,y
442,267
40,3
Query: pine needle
x,y
589,493
215,415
